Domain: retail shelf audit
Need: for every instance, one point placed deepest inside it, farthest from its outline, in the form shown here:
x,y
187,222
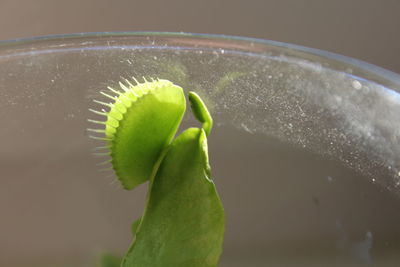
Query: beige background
x,y
364,29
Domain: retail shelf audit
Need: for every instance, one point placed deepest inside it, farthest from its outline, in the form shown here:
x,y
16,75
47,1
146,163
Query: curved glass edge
x,y
394,77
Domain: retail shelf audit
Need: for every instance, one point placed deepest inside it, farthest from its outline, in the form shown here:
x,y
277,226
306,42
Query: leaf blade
x,y
183,224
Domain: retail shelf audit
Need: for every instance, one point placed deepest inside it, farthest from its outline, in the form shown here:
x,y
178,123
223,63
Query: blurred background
x,y
328,210
364,29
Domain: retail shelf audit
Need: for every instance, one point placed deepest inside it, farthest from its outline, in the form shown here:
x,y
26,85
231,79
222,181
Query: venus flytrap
x,y
183,221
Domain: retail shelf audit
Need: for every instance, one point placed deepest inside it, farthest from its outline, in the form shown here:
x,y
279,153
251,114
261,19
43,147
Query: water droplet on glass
x,y
356,84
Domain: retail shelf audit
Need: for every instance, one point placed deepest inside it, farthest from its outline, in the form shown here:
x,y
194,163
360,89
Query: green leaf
x,y
141,123
109,260
183,223
201,112
135,226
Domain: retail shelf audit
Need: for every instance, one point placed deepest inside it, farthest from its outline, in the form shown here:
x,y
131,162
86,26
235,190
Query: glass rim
x,y
387,74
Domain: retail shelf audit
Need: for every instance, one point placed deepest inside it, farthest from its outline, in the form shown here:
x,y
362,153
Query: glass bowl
x,y
305,151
